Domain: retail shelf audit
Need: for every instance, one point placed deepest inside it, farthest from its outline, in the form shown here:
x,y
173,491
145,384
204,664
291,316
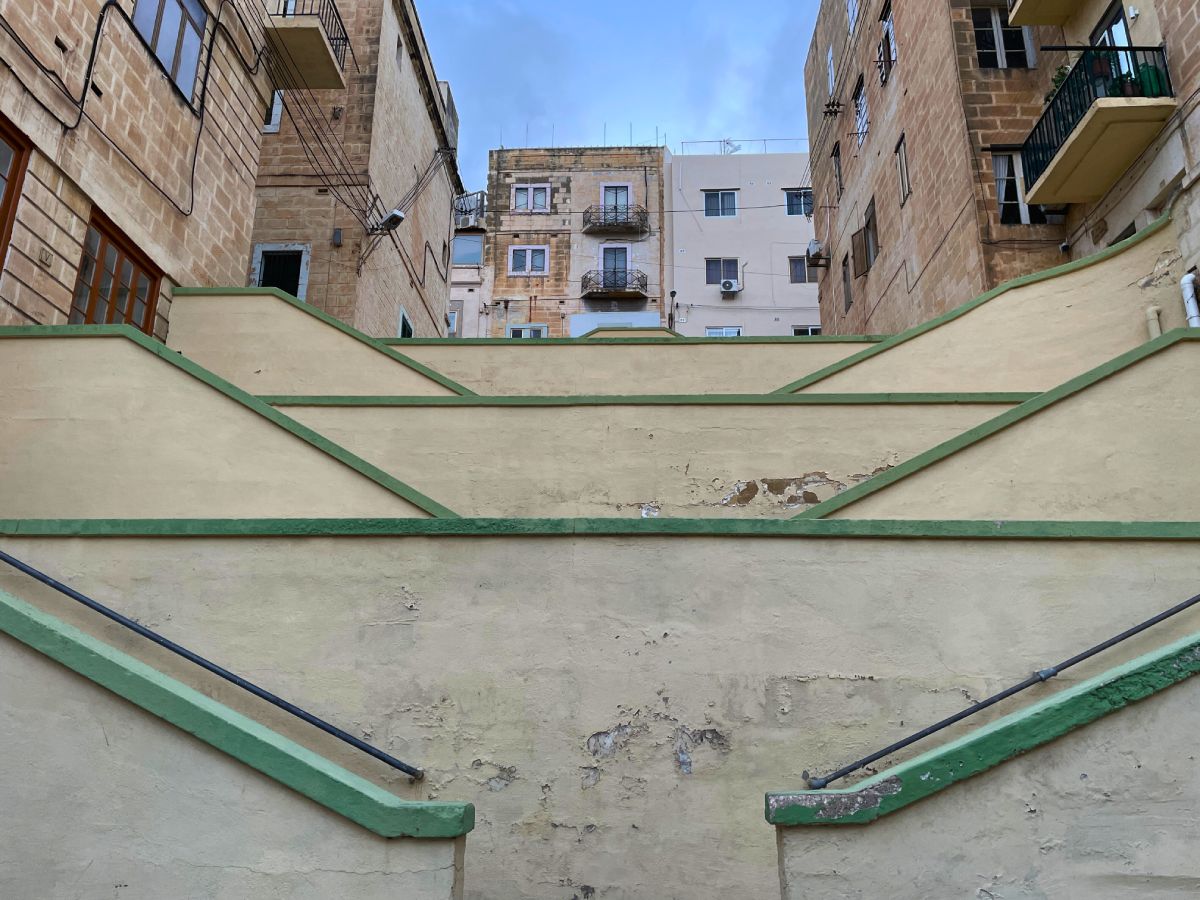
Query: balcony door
x,y
615,262
616,197
1112,30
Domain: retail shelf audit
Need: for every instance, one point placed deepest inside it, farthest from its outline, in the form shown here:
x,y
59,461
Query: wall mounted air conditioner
x,y
467,221
730,286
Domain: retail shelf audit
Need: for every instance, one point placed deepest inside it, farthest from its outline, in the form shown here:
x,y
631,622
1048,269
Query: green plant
x,y
1060,75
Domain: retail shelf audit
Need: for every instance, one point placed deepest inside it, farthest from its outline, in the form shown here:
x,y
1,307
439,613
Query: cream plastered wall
x,y
683,461
616,707
100,426
1108,811
1120,450
104,800
651,368
1034,337
265,345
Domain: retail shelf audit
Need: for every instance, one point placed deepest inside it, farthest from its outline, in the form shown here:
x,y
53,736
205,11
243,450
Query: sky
x,y
695,71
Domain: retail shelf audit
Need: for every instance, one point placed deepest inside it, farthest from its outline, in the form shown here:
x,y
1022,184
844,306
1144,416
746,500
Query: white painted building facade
x,y
740,227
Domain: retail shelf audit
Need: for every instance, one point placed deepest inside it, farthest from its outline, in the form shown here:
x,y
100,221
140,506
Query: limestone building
x,y
129,144
956,146
576,239
336,163
741,225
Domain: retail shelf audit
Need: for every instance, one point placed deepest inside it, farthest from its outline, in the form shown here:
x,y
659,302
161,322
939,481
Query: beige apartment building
x,y
958,146
336,164
129,144
576,239
741,225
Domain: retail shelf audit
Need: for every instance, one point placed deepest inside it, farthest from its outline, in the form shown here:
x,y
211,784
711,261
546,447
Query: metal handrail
x,y
330,18
212,667
602,280
1099,72
616,215
1037,677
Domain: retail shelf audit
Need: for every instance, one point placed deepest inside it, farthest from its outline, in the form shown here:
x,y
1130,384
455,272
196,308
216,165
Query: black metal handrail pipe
x,y
330,18
615,280
212,667
616,215
1099,72
1037,677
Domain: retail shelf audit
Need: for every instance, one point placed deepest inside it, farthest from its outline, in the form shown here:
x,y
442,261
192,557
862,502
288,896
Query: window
x,y
405,328
800,203
283,266
527,332
616,196
468,249
864,243
173,29
1112,31
999,45
720,203
1010,195
836,156
527,260
115,283
887,44
717,270
723,331
830,72
400,54
799,271
852,13
274,114
614,262
806,330
861,119
14,155
902,170
452,323
846,298
531,198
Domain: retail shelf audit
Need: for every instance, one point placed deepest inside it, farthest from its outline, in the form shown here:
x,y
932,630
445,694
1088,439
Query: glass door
x,y
616,267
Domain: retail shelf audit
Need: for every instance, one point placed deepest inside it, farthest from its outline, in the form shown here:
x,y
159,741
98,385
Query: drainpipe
x,y
1153,325
1188,286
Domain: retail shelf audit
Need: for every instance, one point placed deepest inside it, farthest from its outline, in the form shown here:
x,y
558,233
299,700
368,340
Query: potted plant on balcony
x,y
1125,85
1060,75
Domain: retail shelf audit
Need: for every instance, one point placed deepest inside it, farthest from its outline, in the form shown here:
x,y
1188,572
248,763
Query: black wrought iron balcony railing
x,y
617,217
615,281
1098,73
326,12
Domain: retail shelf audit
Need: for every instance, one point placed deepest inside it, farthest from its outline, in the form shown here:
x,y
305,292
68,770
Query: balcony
x,y
615,284
310,44
618,218
1041,12
1109,109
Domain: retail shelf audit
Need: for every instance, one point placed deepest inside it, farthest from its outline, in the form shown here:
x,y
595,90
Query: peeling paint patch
x,y
604,744
687,741
838,805
743,493
505,775
589,776
650,510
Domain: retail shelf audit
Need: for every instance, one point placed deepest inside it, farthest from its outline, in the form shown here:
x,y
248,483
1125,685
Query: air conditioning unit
x,y
730,286
470,220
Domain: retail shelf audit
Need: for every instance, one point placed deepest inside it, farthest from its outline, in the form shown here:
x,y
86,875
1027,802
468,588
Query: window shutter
x,y
879,61
858,246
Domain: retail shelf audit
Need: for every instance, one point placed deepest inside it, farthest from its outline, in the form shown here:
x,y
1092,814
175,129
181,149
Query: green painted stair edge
x,y
895,788
917,330
551,342
668,333
995,397
233,392
1010,417
885,529
230,732
337,323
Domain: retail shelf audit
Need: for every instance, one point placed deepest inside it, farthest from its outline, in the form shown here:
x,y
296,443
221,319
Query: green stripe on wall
x,y
181,362
657,400
230,732
987,747
918,330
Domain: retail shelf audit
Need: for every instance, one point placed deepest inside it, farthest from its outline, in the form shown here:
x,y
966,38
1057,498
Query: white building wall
x,y
761,236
